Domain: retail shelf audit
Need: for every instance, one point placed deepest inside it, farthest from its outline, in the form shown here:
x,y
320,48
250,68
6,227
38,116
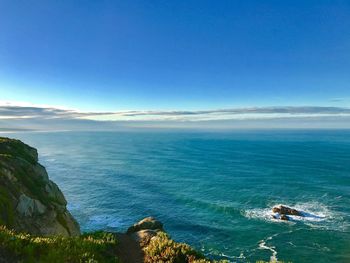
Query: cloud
x,y
16,112
39,117
252,110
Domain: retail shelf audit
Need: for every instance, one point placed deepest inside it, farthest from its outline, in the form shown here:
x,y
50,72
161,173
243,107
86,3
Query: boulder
x,y
148,223
285,210
143,231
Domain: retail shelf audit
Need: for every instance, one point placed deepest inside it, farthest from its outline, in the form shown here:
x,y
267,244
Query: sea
x,y
211,189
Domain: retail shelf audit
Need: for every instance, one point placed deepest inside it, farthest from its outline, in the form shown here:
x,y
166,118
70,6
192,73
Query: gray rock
x,y
148,223
40,171
55,193
30,207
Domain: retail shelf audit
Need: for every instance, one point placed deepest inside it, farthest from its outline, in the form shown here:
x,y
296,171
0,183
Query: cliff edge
x,y
29,201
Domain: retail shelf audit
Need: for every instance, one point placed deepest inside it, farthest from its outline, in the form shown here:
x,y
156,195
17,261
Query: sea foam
x,y
314,214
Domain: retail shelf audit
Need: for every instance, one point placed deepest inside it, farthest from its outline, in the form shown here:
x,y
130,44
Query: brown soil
x,y
128,250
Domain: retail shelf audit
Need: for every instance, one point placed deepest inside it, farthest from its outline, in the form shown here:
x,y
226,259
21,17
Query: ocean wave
x,y
314,214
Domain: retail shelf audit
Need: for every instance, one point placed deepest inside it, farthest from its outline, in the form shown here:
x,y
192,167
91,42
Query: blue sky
x,y
175,55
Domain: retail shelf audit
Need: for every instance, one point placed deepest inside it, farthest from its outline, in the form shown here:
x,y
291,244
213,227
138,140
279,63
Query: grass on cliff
x,y
92,247
163,249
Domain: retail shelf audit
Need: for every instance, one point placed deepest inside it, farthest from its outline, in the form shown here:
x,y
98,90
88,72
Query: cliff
x,y
29,201
35,225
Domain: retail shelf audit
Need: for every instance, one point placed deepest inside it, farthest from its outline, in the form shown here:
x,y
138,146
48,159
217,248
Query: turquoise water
x,y
211,190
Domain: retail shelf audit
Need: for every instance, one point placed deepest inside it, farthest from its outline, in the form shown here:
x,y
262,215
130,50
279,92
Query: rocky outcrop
x,y
283,212
29,201
148,223
157,245
30,207
144,230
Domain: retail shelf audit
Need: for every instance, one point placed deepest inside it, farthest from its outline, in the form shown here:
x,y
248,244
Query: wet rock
x,y
285,210
284,217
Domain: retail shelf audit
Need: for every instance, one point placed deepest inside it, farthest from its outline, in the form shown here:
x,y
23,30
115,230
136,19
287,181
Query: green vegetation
x,y
92,247
6,208
18,149
163,249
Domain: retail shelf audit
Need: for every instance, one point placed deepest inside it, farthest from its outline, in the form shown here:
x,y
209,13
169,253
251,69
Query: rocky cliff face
x,y
29,201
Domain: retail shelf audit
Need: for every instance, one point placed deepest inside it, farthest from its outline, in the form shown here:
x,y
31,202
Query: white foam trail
x,y
262,245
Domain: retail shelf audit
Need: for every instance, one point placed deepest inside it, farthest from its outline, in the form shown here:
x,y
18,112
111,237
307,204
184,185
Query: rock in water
x,y
284,217
285,210
29,201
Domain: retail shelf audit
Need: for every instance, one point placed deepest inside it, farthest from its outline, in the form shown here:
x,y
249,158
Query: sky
x,y
175,63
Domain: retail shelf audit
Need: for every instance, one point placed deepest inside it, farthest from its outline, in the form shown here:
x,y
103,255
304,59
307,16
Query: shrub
x,y
93,247
163,249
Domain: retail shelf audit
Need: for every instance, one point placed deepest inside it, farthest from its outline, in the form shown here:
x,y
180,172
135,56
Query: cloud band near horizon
x,y
35,112
47,118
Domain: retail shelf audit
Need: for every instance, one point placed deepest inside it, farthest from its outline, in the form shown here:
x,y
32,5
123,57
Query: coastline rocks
x,y
145,230
148,223
282,212
280,217
284,217
29,201
143,237
285,210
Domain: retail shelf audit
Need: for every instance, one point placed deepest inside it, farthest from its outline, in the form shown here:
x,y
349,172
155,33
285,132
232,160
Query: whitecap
x,y
263,214
314,214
